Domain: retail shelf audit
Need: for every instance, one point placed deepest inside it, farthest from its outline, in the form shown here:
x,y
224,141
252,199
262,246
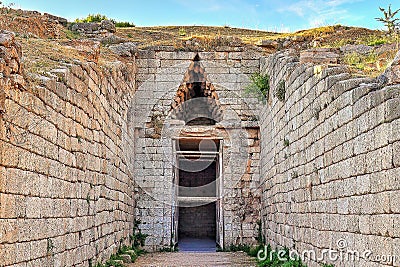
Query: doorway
x,y
198,220
197,228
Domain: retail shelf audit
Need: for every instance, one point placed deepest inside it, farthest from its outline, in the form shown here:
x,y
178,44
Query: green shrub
x,y
99,18
182,32
281,91
275,259
169,249
92,18
236,248
254,250
259,86
124,24
137,240
375,40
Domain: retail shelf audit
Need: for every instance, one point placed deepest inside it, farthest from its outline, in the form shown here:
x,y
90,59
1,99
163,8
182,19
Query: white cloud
x,y
319,12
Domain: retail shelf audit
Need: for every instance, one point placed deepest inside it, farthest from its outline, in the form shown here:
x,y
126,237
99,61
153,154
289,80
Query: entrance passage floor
x,y
180,259
189,244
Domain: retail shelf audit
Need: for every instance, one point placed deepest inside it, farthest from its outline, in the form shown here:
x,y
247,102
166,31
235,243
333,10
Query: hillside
x,y
47,40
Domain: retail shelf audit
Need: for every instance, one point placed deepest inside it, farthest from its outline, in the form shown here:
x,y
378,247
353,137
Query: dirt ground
x,y
233,259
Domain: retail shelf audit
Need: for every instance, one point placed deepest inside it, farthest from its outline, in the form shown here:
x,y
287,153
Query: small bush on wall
x,y
281,91
259,86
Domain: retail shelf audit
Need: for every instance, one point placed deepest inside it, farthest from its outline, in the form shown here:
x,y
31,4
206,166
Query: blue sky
x,y
272,15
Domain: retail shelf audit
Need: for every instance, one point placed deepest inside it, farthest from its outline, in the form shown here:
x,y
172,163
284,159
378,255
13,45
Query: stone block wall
x,y
161,71
330,171
88,149
66,184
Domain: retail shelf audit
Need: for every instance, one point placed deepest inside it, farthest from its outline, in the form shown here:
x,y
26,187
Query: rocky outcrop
x,y
32,23
93,29
392,73
320,56
10,65
60,20
89,49
361,49
124,49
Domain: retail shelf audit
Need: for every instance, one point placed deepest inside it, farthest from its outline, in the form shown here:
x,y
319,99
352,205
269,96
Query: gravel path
x,y
233,259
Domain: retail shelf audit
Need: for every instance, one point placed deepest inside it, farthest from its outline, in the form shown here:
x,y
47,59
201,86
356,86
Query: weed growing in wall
x,y
50,247
157,123
259,86
316,112
281,258
281,91
286,142
137,240
71,35
260,235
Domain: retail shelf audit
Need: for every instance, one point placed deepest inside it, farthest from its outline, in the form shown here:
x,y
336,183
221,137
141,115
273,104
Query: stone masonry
x,y
66,185
334,182
162,77
90,148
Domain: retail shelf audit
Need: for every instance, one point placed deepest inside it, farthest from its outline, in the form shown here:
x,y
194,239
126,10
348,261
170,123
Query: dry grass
x,y
370,65
42,55
171,35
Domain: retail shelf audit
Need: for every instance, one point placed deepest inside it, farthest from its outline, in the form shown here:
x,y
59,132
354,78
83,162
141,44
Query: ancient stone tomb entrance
x,y
196,157
198,186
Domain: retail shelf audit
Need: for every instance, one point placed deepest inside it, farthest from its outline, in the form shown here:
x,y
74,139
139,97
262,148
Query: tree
x,y
388,20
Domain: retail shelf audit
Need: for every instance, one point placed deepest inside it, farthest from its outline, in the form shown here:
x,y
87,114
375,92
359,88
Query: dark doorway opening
x,y
197,228
197,194
200,183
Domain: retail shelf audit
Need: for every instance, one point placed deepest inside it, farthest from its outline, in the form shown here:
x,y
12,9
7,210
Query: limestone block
x,y
392,109
380,245
394,202
396,251
320,56
127,49
87,48
270,44
180,55
396,154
